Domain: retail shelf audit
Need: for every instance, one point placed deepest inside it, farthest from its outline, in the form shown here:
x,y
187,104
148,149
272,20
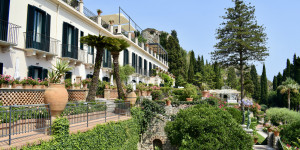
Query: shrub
x,y
263,107
100,89
235,113
166,91
281,115
207,127
60,128
157,95
290,133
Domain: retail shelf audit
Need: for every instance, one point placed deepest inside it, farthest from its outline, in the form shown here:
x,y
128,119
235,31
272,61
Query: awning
x,y
123,21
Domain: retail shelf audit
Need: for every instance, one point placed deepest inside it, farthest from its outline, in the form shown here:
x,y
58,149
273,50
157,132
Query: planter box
x,y
27,86
17,86
4,86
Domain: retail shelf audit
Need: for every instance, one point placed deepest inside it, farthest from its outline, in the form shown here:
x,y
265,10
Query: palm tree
x,y
115,50
288,86
100,42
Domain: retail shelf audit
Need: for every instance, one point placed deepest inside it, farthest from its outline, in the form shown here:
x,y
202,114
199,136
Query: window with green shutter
x,y
4,17
1,68
68,75
70,41
81,44
126,57
35,72
38,29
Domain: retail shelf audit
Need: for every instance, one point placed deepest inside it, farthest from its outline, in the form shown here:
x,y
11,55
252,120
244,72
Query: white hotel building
x,y
34,34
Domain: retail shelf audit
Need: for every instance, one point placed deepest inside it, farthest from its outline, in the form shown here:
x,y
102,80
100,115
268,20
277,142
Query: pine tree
x,y
264,86
242,40
274,83
279,79
163,39
191,67
174,35
254,78
231,79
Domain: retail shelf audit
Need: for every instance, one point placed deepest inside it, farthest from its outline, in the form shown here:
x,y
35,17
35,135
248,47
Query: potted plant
x,y
4,81
16,84
276,130
268,126
169,100
106,85
149,90
68,84
27,83
76,86
56,94
85,83
189,92
205,92
44,83
35,84
99,11
111,22
130,95
255,137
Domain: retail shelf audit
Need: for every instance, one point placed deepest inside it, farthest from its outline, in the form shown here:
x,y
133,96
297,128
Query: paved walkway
x,y
259,129
37,137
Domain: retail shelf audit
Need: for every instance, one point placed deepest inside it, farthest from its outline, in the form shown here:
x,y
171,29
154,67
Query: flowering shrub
x,y
86,81
29,81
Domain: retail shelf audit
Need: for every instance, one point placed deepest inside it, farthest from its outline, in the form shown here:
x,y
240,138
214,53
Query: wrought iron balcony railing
x,y
69,50
73,3
37,41
9,33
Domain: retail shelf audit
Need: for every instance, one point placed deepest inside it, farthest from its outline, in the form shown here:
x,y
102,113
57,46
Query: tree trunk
x,y
242,86
116,74
289,99
94,84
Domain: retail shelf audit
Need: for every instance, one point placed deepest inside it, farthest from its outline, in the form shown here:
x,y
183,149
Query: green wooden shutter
x,y
40,72
81,44
48,26
29,29
45,74
65,40
109,59
1,68
68,75
4,15
31,71
75,51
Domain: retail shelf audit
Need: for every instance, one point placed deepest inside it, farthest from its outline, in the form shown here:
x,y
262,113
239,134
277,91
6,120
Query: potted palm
x,y
56,94
99,11
189,92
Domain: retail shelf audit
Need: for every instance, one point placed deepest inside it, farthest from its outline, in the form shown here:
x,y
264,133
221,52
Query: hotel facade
x,y
35,34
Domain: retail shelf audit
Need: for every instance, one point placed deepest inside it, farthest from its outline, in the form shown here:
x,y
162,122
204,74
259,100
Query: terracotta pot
x,y
4,86
276,133
189,99
37,87
17,86
205,93
131,97
27,86
144,93
85,86
149,93
57,96
269,130
168,103
106,86
255,140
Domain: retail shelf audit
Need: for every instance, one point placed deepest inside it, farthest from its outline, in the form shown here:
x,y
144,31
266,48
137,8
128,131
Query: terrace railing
x,y
9,32
85,112
73,3
20,119
34,40
89,14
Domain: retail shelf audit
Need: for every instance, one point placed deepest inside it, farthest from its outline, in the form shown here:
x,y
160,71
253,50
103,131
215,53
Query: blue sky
x,y
196,22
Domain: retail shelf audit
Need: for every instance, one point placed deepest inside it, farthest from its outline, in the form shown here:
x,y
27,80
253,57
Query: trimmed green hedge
x,y
284,115
207,127
110,136
235,113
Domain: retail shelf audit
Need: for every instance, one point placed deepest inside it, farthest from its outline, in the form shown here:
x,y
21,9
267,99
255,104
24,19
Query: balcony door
x,y
4,15
38,29
70,41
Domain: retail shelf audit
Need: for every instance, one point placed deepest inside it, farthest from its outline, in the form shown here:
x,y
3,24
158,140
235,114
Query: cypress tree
x,y
191,71
231,79
288,68
198,64
297,70
254,78
294,66
202,65
217,78
274,83
249,86
264,86
279,79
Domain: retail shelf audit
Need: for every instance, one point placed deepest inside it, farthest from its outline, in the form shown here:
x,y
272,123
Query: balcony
x,y
72,3
71,53
8,35
40,45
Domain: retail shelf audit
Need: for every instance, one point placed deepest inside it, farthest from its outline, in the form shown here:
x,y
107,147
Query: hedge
x,y
284,115
207,127
235,113
110,136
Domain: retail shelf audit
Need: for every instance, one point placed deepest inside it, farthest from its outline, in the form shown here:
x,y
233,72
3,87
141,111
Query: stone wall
x,y
34,96
110,93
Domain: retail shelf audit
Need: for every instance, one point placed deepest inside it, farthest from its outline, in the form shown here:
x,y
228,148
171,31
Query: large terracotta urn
x,y
57,96
205,93
131,97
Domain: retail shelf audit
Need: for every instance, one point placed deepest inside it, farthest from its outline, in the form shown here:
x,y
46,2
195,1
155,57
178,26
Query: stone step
x,y
261,147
